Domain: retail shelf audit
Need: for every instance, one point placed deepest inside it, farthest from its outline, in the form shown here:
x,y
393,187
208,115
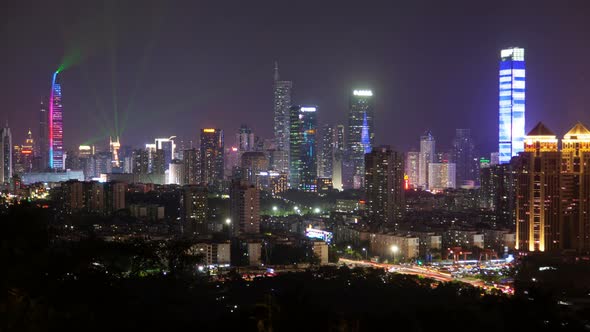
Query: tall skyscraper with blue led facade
x,y
302,148
360,138
512,103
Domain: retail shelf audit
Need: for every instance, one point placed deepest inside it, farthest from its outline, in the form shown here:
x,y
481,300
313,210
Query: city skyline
x,y
98,86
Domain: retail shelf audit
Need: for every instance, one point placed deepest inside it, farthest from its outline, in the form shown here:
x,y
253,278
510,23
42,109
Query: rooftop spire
x,y
276,71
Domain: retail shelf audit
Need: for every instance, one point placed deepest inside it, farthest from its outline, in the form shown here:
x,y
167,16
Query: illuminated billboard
x,y
313,233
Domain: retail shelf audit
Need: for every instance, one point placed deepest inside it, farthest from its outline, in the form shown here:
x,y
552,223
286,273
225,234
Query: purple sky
x,y
173,67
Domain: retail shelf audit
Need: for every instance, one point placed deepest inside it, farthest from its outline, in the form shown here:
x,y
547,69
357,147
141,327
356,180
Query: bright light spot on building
x,y
364,93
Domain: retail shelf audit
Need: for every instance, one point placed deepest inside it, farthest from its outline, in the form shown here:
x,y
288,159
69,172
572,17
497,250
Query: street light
x,y
394,249
317,210
274,208
228,223
365,250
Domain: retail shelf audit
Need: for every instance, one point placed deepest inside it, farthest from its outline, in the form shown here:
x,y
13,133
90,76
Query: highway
x,y
426,272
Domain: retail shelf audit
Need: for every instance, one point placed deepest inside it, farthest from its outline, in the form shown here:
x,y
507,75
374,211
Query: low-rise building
x,y
394,246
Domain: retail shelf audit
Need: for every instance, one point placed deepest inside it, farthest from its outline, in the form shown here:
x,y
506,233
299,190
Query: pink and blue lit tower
x,y
512,103
56,143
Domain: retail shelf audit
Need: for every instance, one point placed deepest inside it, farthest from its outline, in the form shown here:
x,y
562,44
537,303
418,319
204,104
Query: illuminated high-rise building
x,y
114,146
24,157
360,137
253,163
245,139
338,155
56,143
538,192
412,166
43,139
168,147
195,205
303,154
244,208
140,161
211,156
191,165
5,155
327,142
511,103
427,151
441,176
281,104
384,178
464,156
575,184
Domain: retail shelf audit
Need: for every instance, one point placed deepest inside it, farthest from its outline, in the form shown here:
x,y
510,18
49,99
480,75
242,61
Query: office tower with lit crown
x,y
244,209
511,103
412,166
538,192
326,152
5,155
427,150
56,143
211,156
43,139
27,152
168,147
464,156
360,137
281,105
114,147
384,174
303,154
575,184
338,157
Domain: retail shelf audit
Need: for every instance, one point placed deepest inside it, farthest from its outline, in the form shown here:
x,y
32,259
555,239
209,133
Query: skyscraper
x,y
538,192
326,152
253,163
427,146
465,159
575,184
195,204
244,208
441,176
168,147
56,143
245,139
338,155
303,154
114,146
211,156
140,161
511,103
412,166
384,187
191,165
281,103
43,139
360,138
5,155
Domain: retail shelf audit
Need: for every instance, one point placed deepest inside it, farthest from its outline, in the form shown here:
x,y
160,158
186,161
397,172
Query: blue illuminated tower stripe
x,y
511,103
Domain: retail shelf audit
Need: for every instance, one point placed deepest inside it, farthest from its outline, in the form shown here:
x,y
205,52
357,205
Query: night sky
x,y
170,68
